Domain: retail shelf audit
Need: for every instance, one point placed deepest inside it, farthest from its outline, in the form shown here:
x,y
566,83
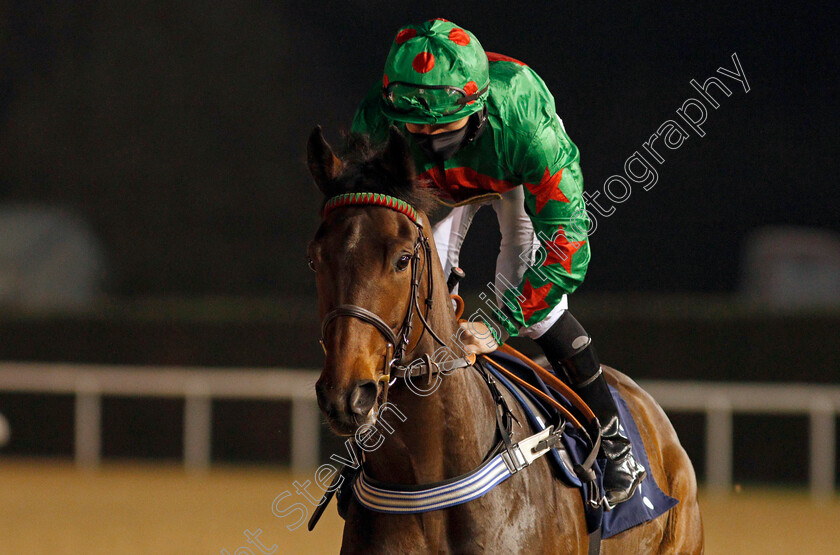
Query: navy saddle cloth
x,y
647,503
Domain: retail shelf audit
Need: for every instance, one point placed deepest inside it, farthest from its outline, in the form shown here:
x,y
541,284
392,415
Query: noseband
x,y
397,341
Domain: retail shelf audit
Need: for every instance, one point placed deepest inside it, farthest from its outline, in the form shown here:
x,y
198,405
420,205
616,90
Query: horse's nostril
x,y
363,397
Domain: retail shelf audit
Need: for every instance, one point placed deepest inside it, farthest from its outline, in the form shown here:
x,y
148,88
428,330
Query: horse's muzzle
x,y
347,409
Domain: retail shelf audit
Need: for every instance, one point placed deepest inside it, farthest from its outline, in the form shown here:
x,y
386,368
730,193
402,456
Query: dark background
x,y
179,130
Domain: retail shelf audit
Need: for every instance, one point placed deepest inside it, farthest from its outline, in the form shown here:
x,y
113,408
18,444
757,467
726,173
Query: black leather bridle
x,y
397,341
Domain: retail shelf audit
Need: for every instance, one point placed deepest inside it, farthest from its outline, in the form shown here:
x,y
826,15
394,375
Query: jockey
x,y
483,129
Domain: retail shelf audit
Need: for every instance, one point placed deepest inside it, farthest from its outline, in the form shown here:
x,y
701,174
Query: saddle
x,y
647,503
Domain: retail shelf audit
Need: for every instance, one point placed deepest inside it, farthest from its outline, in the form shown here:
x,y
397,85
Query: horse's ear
x,y
397,158
323,164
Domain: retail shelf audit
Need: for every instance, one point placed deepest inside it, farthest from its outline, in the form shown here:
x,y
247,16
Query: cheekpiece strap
x,y
375,199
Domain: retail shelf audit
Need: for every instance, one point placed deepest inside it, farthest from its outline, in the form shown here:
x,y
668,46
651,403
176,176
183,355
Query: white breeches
x,y
516,252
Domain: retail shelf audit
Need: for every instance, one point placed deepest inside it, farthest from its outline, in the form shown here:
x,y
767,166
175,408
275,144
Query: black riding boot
x,y
569,350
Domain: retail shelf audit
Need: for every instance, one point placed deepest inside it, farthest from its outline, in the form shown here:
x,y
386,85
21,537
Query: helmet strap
x,y
477,125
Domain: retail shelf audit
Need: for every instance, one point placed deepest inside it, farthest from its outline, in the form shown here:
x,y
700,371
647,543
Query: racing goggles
x,y
432,100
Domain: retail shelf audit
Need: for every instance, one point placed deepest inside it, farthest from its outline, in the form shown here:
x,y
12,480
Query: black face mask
x,y
441,146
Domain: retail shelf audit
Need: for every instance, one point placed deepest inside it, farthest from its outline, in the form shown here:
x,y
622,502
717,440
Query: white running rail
x,y
720,400
199,386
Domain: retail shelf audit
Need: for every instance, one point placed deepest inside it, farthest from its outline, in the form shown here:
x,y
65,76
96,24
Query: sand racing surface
x,y
128,508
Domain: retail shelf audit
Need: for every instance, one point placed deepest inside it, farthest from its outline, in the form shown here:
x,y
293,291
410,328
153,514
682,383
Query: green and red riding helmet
x,y
436,72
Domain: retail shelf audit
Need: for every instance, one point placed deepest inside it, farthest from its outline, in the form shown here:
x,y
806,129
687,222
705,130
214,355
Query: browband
x,y
376,199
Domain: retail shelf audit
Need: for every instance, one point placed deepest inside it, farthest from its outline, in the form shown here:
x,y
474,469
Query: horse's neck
x,y
444,434
447,431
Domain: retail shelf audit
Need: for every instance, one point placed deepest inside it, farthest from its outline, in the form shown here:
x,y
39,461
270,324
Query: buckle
x,y
514,459
548,443
523,453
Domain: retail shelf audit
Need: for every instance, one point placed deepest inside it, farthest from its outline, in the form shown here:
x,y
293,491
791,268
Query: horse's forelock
x,y
365,172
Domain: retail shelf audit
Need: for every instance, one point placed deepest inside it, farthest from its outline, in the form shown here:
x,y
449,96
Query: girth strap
x,y
401,499
595,542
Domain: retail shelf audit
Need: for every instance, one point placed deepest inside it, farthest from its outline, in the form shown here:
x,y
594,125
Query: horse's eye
x,y
402,262
310,263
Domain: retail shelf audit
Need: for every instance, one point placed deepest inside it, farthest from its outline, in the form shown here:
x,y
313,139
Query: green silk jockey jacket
x,y
524,145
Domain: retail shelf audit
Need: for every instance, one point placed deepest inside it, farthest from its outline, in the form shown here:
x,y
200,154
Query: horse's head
x,y
364,256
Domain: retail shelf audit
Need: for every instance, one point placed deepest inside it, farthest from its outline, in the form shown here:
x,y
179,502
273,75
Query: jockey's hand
x,y
476,337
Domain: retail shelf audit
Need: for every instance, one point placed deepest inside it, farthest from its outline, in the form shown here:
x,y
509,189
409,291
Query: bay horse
x,y
372,304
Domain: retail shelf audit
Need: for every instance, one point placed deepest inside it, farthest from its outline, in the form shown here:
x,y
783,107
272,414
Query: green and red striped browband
x,y
375,199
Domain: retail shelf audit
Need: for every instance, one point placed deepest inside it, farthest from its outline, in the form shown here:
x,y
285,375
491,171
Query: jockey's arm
x,y
552,185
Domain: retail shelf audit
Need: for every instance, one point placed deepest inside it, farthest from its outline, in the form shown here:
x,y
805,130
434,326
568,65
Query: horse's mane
x,y
365,171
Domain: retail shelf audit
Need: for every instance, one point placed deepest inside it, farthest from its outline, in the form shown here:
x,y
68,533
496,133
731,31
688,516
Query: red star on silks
x,y
534,299
559,250
547,189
